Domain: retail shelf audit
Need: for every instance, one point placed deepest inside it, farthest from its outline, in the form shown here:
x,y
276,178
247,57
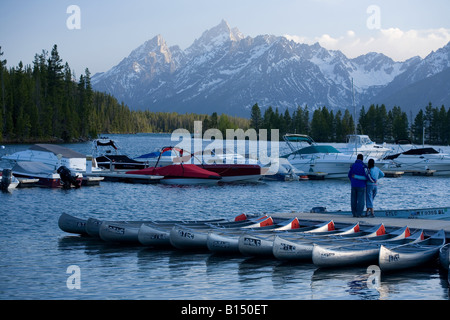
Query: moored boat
x,y
259,244
359,253
52,155
317,159
47,175
412,254
157,234
362,144
293,247
111,158
419,160
232,172
182,174
187,237
71,224
227,241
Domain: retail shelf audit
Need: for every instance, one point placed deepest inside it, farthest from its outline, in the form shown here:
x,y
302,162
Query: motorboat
x,y
413,159
47,174
175,155
310,157
362,144
180,174
50,154
107,156
227,168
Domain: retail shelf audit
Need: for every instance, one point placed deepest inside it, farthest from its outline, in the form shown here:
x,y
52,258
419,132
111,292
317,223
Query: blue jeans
x,y
371,193
358,197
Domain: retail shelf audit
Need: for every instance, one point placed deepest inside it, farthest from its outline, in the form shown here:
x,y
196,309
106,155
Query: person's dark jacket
x,y
360,169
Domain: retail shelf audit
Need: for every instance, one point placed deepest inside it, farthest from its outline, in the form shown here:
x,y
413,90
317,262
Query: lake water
x,y
35,254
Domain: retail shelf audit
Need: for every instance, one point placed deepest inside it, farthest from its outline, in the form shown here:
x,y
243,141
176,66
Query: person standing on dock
x,y
372,187
358,193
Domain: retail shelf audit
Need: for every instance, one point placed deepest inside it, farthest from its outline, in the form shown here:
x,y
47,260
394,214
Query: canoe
x,y
360,253
91,226
411,255
227,241
128,231
71,224
186,237
293,247
260,244
120,231
444,256
157,233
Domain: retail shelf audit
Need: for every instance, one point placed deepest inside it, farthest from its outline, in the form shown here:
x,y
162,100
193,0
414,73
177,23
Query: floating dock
x,y
430,226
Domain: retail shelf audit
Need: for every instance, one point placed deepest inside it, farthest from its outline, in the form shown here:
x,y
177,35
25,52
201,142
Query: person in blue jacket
x,y
358,194
371,186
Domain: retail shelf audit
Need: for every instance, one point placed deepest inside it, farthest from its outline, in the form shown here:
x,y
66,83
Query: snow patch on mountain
x,y
224,71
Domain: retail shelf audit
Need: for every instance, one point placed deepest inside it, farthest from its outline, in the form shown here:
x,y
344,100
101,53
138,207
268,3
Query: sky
x,y
98,34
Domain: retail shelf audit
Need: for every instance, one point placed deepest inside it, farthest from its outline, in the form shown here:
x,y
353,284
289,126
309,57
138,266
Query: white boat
x,y
362,144
47,174
310,157
418,160
50,154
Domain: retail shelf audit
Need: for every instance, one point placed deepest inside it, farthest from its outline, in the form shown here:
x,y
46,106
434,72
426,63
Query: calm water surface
x,y
35,253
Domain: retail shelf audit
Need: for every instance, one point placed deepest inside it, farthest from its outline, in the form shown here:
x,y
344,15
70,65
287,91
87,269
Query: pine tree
x,y
255,117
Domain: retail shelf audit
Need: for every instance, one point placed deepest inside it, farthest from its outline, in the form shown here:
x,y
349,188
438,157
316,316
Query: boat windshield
x,y
313,150
358,140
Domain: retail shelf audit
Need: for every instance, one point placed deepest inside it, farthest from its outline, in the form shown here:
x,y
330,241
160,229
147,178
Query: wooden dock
x,y
428,225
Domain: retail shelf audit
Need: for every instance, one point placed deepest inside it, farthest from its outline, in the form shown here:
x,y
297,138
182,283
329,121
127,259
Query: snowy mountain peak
x,y
225,72
215,38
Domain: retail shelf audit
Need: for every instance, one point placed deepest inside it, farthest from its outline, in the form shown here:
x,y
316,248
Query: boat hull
x,y
121,232
188,181
188,238
390,259
335,257
71,224
444,256
149,235
254,245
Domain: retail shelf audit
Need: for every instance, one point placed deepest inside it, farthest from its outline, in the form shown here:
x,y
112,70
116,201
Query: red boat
x,y
181,174
235,172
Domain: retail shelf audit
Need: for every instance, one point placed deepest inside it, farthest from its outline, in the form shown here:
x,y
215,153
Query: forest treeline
x,y
44,102
431,124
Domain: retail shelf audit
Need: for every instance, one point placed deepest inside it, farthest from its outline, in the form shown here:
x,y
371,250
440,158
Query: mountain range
x,y
225,72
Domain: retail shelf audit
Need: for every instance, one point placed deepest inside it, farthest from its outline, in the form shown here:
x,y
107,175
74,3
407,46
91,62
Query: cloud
x,y
395,43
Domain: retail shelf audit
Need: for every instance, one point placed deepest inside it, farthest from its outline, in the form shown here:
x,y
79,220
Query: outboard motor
x,y
67,178
6,179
